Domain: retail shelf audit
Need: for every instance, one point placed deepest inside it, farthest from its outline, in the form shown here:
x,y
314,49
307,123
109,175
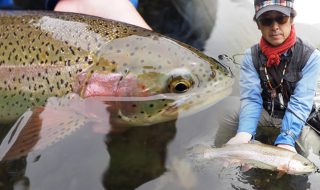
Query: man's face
x,y
275,27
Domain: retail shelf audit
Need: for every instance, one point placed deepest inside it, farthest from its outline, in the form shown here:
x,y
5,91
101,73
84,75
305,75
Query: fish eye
x,y
179,85
305,164
180,80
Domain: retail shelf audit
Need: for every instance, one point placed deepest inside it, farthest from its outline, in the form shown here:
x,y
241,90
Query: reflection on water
x,y
60,145
138,155
100,155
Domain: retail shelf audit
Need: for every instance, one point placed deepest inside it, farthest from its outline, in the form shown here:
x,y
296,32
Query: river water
x,y
152,158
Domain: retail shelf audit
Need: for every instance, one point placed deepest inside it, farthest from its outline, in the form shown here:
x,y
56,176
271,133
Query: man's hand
x,y
288,147
120,10
241,137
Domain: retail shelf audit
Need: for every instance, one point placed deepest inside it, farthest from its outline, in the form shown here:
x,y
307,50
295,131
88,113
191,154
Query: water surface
x,y
152,158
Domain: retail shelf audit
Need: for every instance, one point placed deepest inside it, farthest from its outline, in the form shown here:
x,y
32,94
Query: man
x,y
278,77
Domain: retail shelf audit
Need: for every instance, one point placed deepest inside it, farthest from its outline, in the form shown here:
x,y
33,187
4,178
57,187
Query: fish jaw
x,y
145,120
141,111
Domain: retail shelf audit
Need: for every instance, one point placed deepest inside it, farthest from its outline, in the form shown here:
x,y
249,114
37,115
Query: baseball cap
x,y
262,6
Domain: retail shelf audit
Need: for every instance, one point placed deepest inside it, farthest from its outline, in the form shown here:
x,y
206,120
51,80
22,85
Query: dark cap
x,y
262,6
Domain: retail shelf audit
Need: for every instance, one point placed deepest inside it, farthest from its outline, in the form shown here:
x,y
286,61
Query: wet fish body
x,y
256,155
45,54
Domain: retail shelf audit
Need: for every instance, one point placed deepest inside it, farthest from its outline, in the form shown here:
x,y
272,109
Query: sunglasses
x,y
280,19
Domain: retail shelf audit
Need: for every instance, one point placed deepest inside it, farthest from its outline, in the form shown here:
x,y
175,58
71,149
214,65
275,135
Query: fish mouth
x,y
301,168
226,64
310,169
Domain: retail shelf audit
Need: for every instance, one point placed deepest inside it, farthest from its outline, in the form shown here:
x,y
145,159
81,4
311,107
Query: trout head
x,y
299,165
154,78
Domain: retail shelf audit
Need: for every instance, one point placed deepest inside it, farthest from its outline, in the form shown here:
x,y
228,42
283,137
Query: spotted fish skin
x,y
45,54
256,155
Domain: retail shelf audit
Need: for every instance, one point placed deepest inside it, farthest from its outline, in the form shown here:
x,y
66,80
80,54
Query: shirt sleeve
x,y
28,4
50,4
38,5
301,101
250,96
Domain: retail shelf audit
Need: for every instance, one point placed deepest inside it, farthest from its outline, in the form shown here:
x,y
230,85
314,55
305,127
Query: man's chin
x,y
275,41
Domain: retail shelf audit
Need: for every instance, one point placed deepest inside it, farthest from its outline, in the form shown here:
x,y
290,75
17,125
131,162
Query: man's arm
x,y
120,10
250,96
251,101
300,104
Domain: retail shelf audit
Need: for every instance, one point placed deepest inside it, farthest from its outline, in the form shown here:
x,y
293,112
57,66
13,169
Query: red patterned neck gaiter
x,y
273,53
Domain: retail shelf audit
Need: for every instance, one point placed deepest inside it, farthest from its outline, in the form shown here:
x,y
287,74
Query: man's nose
x,y
274,25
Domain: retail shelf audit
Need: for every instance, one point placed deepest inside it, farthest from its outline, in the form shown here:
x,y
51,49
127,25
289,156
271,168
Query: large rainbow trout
x,y
46,54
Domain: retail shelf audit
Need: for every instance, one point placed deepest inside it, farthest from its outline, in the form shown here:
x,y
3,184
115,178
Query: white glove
x,y
241,137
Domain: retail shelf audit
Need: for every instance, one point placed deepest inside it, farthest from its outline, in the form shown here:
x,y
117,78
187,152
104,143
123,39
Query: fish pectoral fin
x,y
27,130
280,174
47,125
245,167
282,169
